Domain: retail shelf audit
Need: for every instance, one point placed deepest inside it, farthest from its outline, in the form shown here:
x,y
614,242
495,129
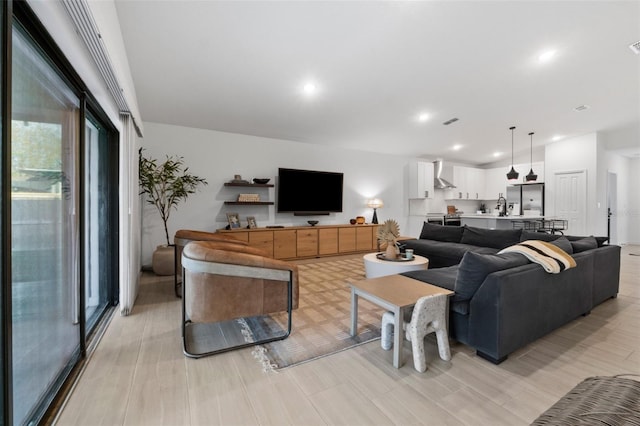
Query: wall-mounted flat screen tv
x,y
309,192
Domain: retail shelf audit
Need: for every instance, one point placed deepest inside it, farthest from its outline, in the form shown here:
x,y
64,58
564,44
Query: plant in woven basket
x,y
388,233
166,184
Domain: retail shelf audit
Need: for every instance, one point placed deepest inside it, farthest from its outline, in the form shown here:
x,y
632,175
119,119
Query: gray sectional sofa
x,y
503,301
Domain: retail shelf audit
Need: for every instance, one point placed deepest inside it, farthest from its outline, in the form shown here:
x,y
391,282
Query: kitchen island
x,y
491,221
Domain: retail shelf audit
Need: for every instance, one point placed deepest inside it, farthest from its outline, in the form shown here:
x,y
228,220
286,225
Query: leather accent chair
x,y
225,281
184,237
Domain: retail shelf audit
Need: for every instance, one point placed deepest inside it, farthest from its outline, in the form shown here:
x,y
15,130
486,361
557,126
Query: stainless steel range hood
x,y
438,181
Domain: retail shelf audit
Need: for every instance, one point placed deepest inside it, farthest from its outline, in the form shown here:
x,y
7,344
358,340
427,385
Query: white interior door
x,y
571,200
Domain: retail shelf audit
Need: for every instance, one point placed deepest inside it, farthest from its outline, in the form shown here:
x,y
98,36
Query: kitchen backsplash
x,y
420,207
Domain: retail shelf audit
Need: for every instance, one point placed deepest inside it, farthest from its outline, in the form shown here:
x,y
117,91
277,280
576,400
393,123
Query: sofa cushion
x,y
563,244
543,236
441,277
599,240
449,234
475,267
584,244
495,238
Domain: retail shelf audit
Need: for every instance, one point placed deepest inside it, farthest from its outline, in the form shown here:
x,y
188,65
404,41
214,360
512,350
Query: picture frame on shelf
x,y
234,220
251,222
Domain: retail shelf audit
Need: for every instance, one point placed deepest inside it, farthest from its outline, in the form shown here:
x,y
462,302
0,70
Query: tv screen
x,y
309,192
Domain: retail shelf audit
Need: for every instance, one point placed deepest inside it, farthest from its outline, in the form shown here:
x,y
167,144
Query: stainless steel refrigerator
x,y
528,197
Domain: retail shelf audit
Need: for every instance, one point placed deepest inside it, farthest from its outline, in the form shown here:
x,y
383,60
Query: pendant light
x,y
531,176
512,175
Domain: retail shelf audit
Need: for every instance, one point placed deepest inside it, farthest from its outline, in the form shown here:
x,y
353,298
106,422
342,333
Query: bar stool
x,y
429,316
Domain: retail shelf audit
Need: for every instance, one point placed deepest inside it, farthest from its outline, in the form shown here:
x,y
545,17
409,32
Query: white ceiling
x,y
239,67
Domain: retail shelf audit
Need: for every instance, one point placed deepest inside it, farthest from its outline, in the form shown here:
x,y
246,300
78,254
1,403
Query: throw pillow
x,y
599,240
584,244
563,244
448,234
543,236
495,238
475,267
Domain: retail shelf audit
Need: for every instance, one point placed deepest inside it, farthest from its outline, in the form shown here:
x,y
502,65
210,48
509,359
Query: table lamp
x,y
375,203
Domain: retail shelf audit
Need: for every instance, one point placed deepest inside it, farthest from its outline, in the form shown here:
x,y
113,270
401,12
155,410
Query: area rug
x,y
597,401
322,322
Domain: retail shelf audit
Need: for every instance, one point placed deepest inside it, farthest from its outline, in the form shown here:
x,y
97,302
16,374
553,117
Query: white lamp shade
x,y
375,203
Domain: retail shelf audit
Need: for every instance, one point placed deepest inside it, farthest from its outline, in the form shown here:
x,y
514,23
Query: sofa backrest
x,y
494,238
448,234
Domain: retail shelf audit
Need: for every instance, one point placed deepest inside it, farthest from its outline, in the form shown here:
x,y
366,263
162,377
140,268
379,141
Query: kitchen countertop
x,y
492,216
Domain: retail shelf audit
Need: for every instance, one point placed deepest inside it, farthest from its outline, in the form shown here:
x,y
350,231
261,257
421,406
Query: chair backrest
x,y
224,281
429,307
186,236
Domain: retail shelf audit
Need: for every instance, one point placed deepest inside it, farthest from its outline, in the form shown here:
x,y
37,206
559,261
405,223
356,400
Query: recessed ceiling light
x,y
456,147
497,154
556,138
423,116
546,56
309,88
635,47
581,108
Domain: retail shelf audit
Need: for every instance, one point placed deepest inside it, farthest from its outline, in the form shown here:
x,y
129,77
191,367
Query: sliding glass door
x,y
59,192
44,226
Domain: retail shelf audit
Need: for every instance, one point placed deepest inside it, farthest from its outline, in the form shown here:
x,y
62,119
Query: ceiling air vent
x,y
635,47
581,108
453,120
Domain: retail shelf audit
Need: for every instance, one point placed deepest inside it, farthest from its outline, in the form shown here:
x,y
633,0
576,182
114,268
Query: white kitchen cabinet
x,y
496,182
469,182
475,184
420,179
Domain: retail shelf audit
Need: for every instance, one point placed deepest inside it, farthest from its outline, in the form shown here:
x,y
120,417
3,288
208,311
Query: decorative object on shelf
x,y
360,220
389,233
238,179
512,175
261,181
531,177
352,221
375,204
165,185
234,220
251,222
249,198
312,222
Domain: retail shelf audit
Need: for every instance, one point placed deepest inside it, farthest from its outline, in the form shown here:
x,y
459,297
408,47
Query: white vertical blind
x,y
129,216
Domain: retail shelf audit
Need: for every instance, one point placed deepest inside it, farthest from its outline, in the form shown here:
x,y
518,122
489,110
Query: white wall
x,y
588,152
218,156
575,154
633,212
620,166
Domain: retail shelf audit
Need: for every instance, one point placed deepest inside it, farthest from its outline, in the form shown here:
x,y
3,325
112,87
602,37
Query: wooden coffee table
x,y
397,294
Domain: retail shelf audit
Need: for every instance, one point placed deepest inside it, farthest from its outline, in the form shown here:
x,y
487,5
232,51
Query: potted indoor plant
x,y
165,185
389,232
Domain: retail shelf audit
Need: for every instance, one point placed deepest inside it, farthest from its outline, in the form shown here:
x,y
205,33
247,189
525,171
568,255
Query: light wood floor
x,y
138,375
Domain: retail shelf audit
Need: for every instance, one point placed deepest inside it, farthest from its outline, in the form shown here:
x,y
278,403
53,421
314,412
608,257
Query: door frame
x,y
583,207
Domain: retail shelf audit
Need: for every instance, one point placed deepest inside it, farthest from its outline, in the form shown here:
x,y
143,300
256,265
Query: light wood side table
x,y
397,294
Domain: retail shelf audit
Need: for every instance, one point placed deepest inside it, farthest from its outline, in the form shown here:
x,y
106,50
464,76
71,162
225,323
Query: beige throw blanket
x,y
552,258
